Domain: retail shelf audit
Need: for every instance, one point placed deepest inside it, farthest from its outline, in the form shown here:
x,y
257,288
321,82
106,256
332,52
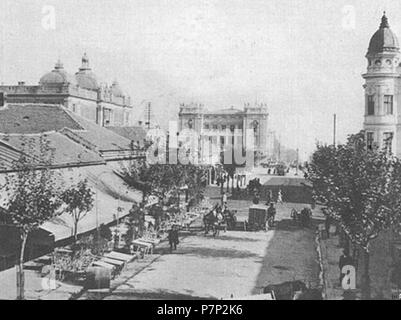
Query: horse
x,y
229,219
286,290
309,294
210,221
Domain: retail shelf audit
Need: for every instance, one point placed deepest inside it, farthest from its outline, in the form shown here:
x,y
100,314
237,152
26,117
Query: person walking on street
x,y
173,238
224,199
269,198
271,212
279,197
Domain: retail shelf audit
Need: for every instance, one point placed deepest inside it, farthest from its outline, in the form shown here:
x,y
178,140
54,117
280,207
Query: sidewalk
x,y
36,287
330,253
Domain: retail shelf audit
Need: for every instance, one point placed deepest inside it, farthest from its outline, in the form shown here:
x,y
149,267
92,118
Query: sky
x,y
303,58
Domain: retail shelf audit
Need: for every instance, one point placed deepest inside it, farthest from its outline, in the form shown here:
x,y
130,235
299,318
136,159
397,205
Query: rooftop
x,y
33,119
384,39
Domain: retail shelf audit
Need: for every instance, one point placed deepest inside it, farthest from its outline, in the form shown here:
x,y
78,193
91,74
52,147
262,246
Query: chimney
x,y
21,83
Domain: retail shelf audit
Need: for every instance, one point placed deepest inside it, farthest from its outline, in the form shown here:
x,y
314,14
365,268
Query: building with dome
x,y
383,90
81,93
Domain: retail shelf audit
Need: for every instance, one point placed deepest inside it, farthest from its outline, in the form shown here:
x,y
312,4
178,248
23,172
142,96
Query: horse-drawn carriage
x,y
219,219
304,217
293,290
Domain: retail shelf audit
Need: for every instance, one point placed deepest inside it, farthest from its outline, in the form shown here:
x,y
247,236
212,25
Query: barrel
x,y
97,278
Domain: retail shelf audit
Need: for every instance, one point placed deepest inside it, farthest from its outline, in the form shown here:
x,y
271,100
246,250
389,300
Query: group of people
x,y
223,178
270,199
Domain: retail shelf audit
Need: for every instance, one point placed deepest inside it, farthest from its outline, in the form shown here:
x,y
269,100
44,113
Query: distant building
x,y
383,90
80,93
221,126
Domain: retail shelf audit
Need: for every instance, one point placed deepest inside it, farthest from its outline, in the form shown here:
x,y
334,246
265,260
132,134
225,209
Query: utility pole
x,y
148,114
334,129
279,149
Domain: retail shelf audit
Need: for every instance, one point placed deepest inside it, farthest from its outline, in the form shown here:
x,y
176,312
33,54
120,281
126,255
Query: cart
x,y
257,218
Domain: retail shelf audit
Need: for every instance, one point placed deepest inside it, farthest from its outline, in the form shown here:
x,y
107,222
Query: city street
x,y
235,263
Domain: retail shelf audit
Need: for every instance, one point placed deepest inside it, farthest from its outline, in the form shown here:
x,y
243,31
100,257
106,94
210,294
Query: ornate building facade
x,y
80,93
383,90
229,126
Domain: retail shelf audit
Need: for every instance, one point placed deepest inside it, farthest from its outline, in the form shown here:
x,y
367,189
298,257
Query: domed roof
x,y
85,77
116,89
57,76
384,40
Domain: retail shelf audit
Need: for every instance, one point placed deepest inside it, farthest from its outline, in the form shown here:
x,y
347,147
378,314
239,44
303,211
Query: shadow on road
x,y
236,239
205,252
289,256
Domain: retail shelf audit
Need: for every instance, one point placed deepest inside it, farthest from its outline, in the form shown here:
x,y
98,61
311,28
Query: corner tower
x,y
382,94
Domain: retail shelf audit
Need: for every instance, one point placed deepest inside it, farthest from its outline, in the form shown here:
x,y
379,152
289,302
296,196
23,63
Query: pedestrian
x,y
279,197
256,198
224,199
345,260
269,198
173,238
271,211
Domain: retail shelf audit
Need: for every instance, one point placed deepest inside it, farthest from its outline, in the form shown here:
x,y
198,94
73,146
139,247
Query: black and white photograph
x,y
200,150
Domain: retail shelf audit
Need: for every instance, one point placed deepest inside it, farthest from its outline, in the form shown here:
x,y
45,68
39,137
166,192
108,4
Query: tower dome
x,y
384,40
85,77
57,76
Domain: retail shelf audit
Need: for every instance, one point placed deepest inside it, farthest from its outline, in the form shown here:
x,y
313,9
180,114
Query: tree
x,y
154,180
79,201
195,178
360,189
164,180
32,194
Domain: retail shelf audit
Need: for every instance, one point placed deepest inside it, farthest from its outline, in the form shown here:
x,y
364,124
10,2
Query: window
x,y
388,104
371,105
223,127
388,141
106,117
369,140
215,127
206,126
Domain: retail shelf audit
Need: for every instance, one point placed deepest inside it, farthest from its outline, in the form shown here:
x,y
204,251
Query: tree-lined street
x,y
235,263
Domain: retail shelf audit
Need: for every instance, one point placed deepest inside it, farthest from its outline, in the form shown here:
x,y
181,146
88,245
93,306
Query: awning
x,y
111,193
